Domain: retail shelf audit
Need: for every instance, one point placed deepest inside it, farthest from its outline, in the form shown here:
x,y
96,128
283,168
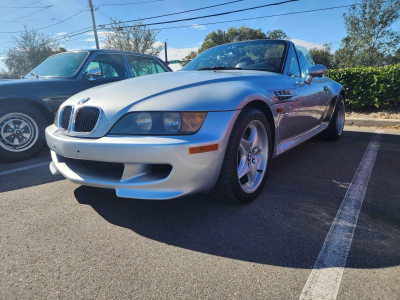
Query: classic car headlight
x,y
153,123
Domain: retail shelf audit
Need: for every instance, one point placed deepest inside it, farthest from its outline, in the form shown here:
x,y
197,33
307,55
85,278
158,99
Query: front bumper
x,y
191,173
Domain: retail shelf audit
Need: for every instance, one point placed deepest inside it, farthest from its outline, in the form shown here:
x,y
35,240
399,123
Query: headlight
x,y
159,123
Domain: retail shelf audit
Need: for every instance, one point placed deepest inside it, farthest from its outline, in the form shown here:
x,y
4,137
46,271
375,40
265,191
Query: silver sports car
x,y
212,127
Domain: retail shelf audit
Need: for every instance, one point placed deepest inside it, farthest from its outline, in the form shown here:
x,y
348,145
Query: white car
x,y
214,126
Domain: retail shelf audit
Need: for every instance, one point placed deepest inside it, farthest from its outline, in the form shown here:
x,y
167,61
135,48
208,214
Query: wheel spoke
x,y
254,137
7,134
23,124
253,172
245,170
246,145
16,141
11,124
26,135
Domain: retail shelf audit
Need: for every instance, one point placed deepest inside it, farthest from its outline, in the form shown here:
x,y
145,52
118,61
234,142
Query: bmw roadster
x,y
212,127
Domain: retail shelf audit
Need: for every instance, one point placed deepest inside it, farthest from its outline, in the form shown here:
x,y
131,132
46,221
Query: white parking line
x,y
24,168
324,280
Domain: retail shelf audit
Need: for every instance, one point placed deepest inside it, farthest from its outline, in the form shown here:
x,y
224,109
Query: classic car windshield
x,y
61,65
264,55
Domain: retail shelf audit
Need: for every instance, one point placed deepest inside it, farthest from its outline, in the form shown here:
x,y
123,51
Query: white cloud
x,y
89,40
175,54
2,57
101,33
62,33
201,27
306,44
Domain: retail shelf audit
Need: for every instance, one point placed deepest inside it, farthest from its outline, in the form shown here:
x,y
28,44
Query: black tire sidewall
x,y
243,121
41,123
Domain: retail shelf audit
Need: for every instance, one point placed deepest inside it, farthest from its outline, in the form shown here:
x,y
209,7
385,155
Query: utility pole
x,y
94,24
165,47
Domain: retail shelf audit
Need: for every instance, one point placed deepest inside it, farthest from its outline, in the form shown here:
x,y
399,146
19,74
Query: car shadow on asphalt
x,y
285,227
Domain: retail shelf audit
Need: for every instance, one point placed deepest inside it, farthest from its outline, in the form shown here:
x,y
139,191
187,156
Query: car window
x,y
305,60
61,65
262,55
140,65
111,65
294,70
160,68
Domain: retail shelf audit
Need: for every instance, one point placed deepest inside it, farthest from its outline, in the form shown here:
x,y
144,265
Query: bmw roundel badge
x,y
84,100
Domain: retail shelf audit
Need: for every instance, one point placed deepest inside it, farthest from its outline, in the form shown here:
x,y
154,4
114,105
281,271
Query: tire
x,y
243,156
25,142
334,131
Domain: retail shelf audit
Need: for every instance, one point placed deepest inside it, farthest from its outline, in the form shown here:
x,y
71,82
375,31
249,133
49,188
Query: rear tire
x,y
334,131
21,132
245,167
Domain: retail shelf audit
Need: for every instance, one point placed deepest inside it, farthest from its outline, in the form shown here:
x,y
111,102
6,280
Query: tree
x,y
135,38
234,34
190,56
277,35
370,37
322,56
29,50
393,59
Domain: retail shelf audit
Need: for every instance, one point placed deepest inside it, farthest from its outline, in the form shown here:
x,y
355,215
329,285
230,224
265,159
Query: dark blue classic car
x,y
28,105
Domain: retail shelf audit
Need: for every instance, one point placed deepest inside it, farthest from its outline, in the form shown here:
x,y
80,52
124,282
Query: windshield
x,y
61,65
264,55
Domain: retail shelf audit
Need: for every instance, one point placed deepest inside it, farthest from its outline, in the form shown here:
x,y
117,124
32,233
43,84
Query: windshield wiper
x,y
36,75
219,68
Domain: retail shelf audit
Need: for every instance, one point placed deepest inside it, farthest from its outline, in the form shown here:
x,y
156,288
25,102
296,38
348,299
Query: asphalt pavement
x,y
59,240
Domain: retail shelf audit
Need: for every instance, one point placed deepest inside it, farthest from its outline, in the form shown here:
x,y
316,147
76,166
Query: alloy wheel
x,y
340,118
252,156
18,132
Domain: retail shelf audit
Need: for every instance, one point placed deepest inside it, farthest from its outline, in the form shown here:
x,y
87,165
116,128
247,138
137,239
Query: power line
x,y
49,25
23,7
213,15
181,12
177,13
131,3
20,8
254,18
12,21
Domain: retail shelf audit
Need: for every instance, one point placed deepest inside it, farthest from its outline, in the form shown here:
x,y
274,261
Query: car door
x,y
287,103
112,68
141,65
313,98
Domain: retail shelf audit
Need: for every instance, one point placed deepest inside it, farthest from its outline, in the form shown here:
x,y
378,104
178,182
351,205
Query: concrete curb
x,y
370,122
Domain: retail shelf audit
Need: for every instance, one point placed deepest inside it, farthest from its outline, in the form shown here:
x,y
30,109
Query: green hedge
x,y
370,87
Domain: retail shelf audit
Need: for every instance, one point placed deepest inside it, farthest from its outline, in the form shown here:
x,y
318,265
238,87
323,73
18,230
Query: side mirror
x,y
94,72
315,71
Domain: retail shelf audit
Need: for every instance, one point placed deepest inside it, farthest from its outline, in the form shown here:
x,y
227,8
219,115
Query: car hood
x,y
181,91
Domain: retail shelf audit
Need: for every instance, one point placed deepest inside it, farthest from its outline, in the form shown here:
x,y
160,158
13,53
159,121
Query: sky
x,y
310,29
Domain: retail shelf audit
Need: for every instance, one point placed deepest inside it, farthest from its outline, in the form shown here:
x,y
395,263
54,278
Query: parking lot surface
x,y
60,240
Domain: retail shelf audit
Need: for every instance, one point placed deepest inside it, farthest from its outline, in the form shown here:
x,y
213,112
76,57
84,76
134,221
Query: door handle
x,y
326,88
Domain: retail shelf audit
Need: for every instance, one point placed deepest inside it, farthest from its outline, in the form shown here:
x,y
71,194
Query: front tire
x,y
21,132
245,167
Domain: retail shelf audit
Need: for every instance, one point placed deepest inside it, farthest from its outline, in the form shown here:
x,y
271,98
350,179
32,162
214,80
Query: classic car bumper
x,y
142,158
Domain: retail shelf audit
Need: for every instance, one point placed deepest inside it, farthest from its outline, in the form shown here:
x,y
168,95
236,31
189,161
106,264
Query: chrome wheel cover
x,y
18,132
340,118
252,156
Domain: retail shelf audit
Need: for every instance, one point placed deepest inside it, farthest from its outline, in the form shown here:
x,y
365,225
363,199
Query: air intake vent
x,y
86,119
65,117
283,95
106,167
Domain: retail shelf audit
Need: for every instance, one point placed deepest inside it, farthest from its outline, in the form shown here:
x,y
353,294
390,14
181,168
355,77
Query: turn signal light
x,y
202,149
